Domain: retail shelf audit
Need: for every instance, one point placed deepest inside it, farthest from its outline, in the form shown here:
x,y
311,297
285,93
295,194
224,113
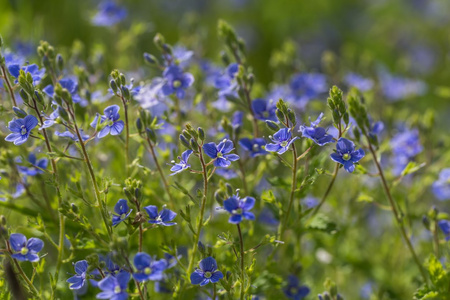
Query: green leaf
x,y
321,222
412,167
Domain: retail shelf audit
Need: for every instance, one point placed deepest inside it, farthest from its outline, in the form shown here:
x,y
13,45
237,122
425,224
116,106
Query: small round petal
x,y
81,267
248,203
30,122
197,277
117,128
231,157
222,162
104,132
167,215
231,204
248,215
210,150
225,147
273,147
142,260
337,158
17,241
357,155
121,207
349,166
345,146
235,219
208,264
216,276
152,211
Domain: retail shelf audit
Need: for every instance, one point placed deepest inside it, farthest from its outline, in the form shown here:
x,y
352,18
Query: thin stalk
x,y
202,210
163,178
91,171
140,237
395,211
327,192
127,139
241,242
25,277
8,84
58,192
293,188
214,291
436,239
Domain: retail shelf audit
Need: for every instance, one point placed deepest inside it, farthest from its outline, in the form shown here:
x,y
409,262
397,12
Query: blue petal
x,y
231,204
17,241
142,260
225,147
35,244
121,207
248,215
197,277
272,147
337,158
152,211
235,219
216,276
345,146
357,155
208,264
222,162
210,150
104,132
81,267
167,215
349,166
247,203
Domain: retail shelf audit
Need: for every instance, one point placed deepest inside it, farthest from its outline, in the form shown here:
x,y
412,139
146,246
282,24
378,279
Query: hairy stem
x,y
393,205
8,84
241,242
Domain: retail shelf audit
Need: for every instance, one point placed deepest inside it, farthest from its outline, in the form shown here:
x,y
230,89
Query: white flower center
x,y
23,130
176,83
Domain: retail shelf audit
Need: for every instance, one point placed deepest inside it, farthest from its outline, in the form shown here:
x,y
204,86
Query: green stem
x,y
25,277
127,138
327,192
241,242
293,188
214,292
8,84
395,211
58,192
163,177
202,211
91,170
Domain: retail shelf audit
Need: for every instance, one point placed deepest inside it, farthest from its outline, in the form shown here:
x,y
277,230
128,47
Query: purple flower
x,y
50,120
36,74
441,187
307,86
147,268
109,14
220,153
183,164
111,118
163,218
21,129
74,137
254,146
122,211
176,81
71,86
207,273
294,290
78,281
361,83
405,145
317,134
347,155
397,88
114,287
282,140
264,110
26,250
239,208
37,165
445,227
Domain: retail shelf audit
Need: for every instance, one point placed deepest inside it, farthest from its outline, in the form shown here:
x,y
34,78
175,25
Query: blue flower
x,y
239,208
361,83
441,187
122,211
294,290
114,288
78,281
109,14
346,154
307,86
317,134
207,273
376,128
74,137
36,74
147,268
445,227
180,55
237,120
26,249
71,86
282,140
163,218
50,120
37,165
254,146
220,153
111,117
397,88
176,81
405,145
21,129
183,164
264,110
310,202
227,173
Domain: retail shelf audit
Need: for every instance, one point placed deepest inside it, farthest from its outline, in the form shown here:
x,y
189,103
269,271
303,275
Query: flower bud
x,y
19,112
